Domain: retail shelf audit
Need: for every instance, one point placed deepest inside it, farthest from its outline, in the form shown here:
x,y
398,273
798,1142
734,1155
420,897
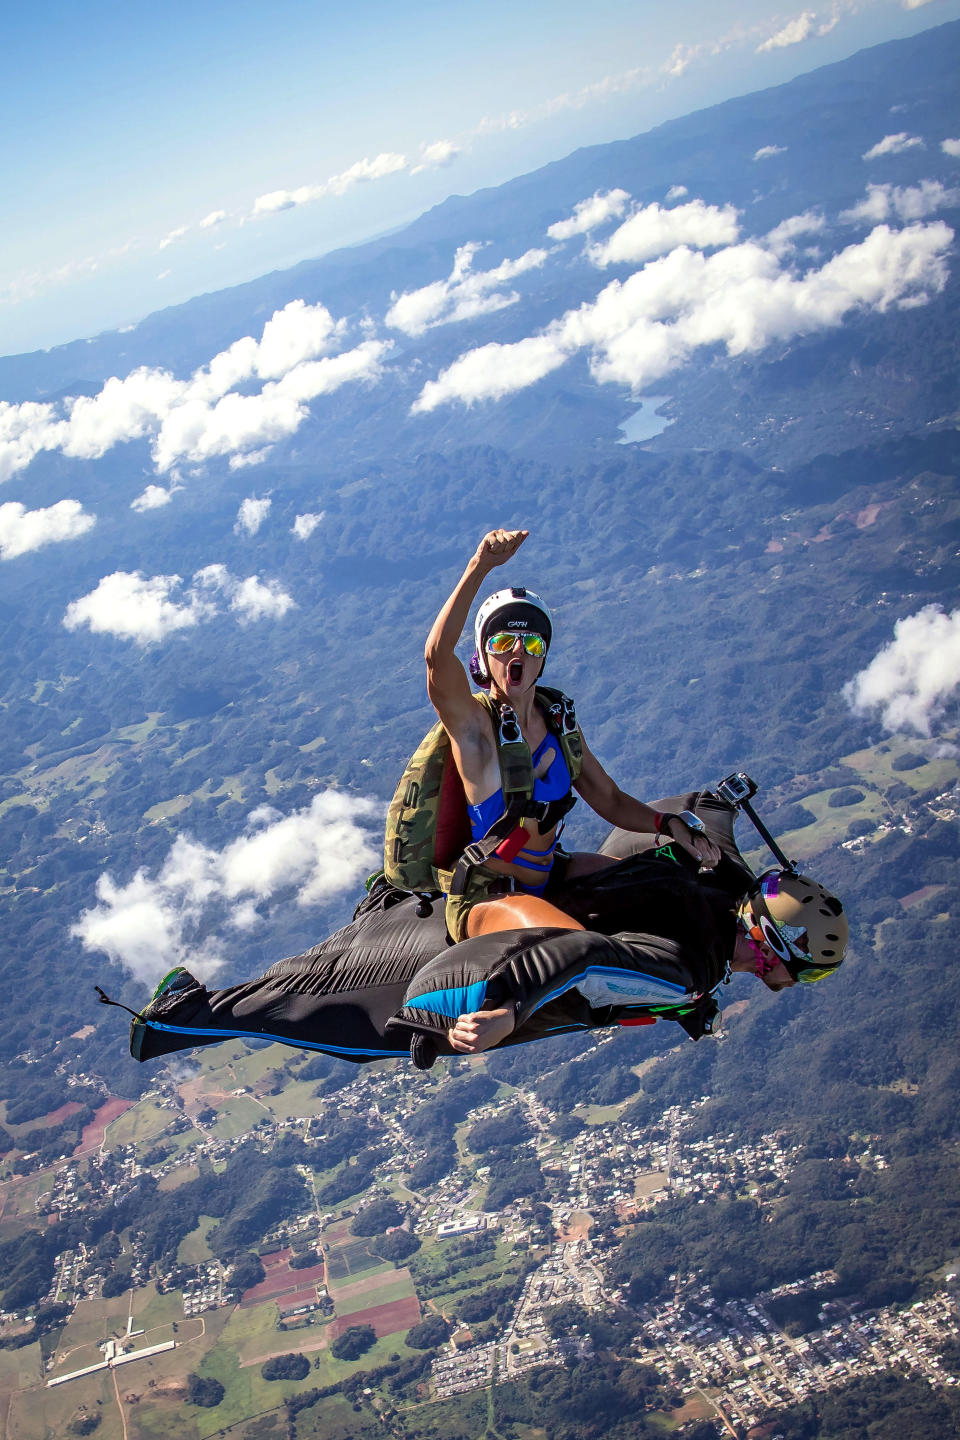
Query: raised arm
x,y
447,683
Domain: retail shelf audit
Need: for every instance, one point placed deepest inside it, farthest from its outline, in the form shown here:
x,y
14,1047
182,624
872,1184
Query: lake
x,y
644,423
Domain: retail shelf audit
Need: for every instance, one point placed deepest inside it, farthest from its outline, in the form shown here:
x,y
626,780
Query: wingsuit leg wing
x,y
336,997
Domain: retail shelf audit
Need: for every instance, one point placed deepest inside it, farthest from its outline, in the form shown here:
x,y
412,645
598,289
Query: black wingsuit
x,y
657,942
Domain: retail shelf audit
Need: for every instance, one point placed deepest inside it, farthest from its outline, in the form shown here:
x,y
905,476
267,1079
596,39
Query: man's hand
x,y
480,1031
497,547
706,854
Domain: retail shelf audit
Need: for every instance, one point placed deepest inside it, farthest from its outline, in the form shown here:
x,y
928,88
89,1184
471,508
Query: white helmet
x,y
516,609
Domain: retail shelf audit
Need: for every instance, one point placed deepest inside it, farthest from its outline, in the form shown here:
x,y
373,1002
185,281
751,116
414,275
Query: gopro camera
x,y
736,788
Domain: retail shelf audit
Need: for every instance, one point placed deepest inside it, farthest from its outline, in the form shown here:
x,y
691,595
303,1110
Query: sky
x,y
155,153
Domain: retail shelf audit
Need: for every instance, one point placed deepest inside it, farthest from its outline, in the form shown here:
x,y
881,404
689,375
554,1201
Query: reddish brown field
x,y
94,1132
577,1228
277,1260
916,897
69,1107
385,1319
280,1280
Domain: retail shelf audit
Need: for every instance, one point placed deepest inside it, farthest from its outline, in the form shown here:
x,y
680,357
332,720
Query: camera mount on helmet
x,y
738,790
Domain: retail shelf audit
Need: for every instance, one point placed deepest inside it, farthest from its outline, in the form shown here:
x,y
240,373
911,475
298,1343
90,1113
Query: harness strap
x,y
517,779
105,1000
481,850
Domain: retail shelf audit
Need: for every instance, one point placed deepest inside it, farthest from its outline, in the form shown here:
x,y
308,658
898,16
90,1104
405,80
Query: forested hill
x,y
226,532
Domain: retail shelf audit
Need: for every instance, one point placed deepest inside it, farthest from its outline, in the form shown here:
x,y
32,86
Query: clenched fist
x,y
497,547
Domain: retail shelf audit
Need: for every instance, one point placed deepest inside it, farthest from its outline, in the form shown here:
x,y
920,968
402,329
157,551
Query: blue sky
x,y
153,153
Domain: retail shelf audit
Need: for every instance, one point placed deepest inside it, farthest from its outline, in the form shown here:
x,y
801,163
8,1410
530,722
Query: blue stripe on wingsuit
x,y
460,1000
655,980
262,1035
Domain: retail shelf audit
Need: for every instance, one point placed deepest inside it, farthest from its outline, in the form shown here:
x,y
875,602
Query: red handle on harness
x,y
510,848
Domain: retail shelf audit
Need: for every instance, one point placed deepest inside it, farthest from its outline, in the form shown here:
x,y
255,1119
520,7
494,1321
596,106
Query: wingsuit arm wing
x,y
556,980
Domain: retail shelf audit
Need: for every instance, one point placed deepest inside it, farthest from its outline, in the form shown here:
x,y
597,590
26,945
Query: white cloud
x,y
653,231
22,530
250,600
245,426
602,206
436,156
34,282
491,372
296,333
465,293
249,458
136,607
766,152
274,201
795,31
681,57
184,914
148,609
912,678
951,147
893,145
203,417
742,297
304,525
211,221
137,926
153,498
676,192
173,237
25,430
387,163
915,4
909,202
123,410
252,514
255,599
781,238
603,89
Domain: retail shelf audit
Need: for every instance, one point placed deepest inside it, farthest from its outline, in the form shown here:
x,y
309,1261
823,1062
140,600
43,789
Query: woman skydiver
x,y
514,888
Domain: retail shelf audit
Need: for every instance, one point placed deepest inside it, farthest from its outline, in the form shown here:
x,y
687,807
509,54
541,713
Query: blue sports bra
x,y
554,785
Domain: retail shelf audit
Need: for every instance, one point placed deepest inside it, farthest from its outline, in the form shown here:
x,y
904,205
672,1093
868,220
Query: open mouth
x,y
515,672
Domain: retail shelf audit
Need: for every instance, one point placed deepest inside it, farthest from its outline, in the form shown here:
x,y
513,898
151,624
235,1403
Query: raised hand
x,y
498,546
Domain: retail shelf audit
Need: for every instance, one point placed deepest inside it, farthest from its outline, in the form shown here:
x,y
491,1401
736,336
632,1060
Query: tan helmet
x,y
803,924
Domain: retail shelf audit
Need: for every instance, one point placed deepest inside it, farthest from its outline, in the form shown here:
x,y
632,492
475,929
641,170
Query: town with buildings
x,y
732,1355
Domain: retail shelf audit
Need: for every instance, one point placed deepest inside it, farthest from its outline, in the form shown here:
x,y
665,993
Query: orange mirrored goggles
x,y
503,641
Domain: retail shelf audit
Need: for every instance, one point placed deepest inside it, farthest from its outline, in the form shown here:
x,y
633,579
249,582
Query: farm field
x,y
375,1291
874,775
137,1125
193,1249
